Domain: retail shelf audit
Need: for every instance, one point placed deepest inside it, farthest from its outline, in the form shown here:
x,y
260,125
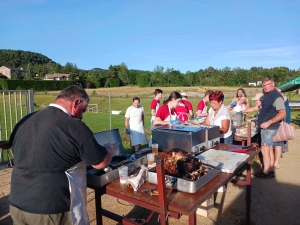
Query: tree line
x,y
36,66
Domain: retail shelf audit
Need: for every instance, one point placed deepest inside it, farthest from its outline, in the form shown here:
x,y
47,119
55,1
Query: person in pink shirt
x,y
155,104
184,109
166,113
202,105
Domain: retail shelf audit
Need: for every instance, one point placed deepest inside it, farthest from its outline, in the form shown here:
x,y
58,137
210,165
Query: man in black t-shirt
x,y
46,144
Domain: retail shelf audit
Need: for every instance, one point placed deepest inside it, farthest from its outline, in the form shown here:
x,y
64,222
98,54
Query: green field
x,y
121,100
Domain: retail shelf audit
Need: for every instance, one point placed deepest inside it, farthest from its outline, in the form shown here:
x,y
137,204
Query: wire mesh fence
x,y
106,109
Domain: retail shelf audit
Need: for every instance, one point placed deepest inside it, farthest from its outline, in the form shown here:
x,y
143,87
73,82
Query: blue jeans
x,y
227,140
280,143
267,136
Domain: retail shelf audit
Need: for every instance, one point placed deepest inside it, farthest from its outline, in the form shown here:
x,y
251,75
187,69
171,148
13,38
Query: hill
x,y
18,58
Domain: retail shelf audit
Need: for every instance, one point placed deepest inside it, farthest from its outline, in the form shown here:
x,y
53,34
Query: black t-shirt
x,y
45,145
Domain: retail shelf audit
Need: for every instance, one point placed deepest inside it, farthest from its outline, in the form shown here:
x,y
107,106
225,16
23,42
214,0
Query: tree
x,y
123,73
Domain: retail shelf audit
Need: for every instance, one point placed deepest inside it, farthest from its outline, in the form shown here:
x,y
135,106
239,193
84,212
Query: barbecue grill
x,y
102,177
191,138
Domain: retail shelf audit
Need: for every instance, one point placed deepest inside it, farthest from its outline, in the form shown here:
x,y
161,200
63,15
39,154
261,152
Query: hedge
x,y
36,85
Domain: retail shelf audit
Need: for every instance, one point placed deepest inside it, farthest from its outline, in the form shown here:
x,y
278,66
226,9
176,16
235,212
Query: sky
x,y
184,35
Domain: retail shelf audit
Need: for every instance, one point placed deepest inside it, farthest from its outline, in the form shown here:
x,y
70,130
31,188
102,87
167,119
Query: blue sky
x,y
180,34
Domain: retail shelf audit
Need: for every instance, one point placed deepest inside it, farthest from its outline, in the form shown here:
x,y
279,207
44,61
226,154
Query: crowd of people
x,y
48,167
271,106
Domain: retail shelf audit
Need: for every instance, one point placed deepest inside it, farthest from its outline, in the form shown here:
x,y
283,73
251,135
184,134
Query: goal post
x,y
92,108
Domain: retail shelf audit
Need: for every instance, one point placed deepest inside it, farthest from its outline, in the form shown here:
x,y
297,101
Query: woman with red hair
x,y
219,115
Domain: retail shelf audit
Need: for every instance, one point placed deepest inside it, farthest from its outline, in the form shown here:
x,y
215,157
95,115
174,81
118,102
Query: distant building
x,y
57,76
255,83
9,71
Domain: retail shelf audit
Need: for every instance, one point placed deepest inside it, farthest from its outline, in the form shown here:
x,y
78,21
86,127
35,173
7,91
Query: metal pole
x,y
31,101
109,110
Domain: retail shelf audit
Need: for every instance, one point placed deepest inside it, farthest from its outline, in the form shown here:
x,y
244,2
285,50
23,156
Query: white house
x,y
255,83
57,76
9,71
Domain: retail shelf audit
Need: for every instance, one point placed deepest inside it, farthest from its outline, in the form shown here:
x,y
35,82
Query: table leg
x,y
161,184
98,204
192,218
248,194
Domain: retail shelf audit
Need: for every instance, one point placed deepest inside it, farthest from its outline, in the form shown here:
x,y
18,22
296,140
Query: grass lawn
x,y
121,98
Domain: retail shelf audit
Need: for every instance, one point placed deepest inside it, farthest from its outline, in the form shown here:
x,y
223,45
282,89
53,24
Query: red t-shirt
x,y
202,106
182,110
154,104
163,112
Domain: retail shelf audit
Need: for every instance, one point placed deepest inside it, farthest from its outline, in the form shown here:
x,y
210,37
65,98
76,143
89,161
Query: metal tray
x,y
99,178
182,184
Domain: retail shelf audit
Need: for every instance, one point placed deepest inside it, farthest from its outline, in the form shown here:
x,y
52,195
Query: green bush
x,y
36,85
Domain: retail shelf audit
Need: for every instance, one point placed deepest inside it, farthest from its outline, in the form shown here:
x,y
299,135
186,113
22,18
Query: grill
x,y
102,177
191,138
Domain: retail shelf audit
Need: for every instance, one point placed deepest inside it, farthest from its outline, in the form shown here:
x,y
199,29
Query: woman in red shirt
x,y
166,112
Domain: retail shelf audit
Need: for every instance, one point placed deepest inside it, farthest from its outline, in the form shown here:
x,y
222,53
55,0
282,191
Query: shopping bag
x,y
285,132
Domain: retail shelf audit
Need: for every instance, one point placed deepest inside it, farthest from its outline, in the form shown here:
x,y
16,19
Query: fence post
x,y
31,101
109,110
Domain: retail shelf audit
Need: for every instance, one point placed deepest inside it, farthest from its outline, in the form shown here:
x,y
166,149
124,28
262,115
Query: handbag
x,y
285,132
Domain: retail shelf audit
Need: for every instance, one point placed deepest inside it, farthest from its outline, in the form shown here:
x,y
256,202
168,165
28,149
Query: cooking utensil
x,y
148,189
242,149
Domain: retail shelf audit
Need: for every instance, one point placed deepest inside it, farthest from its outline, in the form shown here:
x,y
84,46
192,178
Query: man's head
x,y
206,95
183,94
136,102
258,96
268,84
158,93
74,99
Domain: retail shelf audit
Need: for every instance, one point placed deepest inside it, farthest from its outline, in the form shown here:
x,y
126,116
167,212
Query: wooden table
x,y
170,202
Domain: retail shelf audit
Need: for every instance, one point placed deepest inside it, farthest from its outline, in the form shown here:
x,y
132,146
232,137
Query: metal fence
x,y
14,105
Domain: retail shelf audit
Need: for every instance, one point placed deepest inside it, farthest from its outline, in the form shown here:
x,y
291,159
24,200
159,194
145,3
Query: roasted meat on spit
x,y
182,164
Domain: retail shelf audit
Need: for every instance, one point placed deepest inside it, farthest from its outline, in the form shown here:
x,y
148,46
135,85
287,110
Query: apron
x,y
183,116
77,186
137,132
171,117
153,117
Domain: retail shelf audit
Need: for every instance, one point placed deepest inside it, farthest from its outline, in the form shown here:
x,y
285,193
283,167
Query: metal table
x,y
170,202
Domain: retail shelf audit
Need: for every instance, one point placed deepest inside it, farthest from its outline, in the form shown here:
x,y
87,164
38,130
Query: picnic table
x,y
170,202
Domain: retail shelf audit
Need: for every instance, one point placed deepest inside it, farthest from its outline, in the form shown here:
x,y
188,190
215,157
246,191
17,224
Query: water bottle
x,y
233,104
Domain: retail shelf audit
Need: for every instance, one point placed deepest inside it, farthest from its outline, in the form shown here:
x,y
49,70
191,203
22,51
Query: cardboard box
x,y
204,208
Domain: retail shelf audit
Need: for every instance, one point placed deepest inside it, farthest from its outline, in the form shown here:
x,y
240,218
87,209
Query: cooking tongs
x,y
242,149
148,189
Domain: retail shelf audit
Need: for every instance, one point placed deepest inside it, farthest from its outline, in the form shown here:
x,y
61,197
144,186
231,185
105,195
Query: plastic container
x,y
155,148
233,104
123,174
237,119
150,158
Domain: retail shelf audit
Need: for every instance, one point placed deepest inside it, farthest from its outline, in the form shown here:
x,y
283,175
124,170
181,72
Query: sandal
x,y
261,174
272,173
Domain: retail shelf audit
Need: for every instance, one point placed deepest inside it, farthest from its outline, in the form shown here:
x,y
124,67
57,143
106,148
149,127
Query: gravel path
x,y
274,201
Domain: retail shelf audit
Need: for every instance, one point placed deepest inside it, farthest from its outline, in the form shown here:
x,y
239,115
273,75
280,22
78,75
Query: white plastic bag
x,y
77,186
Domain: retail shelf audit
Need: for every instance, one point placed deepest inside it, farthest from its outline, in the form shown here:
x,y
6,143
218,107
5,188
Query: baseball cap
x,y
257,96
183,94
